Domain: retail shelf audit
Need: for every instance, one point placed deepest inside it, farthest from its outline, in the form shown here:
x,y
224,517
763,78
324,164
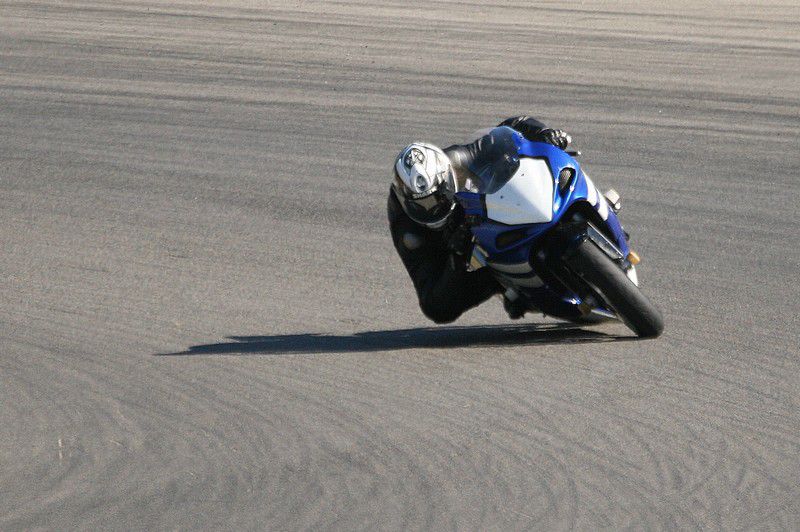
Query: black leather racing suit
x,y
444,288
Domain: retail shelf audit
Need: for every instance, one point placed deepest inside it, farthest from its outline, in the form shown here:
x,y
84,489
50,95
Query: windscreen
x,y
497,159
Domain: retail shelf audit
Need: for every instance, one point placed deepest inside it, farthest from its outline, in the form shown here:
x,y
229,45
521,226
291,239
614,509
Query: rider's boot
x,y
514,305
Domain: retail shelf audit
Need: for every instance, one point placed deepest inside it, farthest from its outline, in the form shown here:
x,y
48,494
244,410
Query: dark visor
x,y
429,209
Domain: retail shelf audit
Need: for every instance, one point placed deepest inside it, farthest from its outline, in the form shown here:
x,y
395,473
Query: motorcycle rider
x,y
427,226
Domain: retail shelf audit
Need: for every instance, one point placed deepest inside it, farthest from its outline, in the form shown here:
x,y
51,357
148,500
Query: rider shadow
x,y
393,340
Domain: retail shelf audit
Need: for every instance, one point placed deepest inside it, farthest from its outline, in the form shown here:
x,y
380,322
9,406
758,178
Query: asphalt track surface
x,y
204,324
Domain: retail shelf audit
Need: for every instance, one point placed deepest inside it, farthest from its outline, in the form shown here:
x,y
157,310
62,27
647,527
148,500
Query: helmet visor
x,y
428,210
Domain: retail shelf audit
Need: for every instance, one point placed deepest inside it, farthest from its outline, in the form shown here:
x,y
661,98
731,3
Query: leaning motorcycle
x,y
550,238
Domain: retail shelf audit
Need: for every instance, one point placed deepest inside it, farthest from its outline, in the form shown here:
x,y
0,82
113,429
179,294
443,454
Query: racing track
x,y
207,181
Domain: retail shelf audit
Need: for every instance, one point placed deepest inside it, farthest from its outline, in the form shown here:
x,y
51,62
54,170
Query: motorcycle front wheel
x,y
607,280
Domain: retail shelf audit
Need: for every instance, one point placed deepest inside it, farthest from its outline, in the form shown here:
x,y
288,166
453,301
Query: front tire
x,y
609,282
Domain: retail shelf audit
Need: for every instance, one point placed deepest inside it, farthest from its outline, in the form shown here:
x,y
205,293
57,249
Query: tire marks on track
x,y
214,175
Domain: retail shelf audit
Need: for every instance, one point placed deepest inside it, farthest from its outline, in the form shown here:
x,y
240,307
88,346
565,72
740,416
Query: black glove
x,y
557,137
459,241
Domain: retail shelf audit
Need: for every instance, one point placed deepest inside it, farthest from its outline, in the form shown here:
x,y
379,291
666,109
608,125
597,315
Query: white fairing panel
x,y
527,198
595,198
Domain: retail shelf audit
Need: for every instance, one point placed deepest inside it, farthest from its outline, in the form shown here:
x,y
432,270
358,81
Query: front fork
x,y
552,260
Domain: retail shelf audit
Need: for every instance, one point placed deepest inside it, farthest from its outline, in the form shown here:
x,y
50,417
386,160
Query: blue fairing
x,y
519,250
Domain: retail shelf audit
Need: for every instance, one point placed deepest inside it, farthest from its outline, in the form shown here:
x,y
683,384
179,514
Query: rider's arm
x,y
444,288
461,155
529,127
536,131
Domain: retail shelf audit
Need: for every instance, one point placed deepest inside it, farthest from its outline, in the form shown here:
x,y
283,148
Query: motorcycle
x,y
550,238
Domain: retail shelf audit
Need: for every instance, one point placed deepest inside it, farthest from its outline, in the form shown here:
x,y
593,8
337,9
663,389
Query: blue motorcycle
x,y
550,238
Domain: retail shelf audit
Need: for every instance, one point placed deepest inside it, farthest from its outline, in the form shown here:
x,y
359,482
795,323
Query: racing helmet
x,y
424,183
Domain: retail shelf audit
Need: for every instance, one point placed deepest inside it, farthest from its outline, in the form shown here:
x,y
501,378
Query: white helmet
x,y
424,183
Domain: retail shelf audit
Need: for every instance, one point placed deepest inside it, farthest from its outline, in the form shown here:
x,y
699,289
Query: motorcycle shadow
x,y
393,340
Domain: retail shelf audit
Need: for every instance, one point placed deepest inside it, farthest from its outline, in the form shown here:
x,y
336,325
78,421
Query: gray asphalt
x,y
203,323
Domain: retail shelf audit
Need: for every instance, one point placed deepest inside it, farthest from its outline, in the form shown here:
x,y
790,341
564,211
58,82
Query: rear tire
x,y
608,280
